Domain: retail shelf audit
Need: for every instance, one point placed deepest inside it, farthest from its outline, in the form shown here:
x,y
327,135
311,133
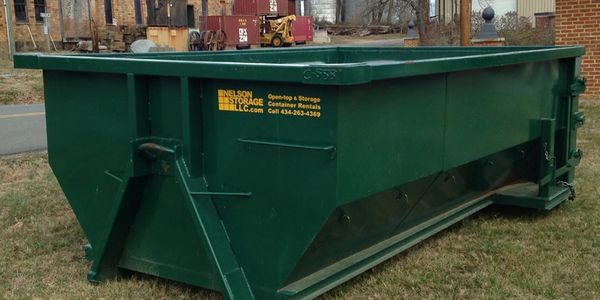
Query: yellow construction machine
x,y
278,32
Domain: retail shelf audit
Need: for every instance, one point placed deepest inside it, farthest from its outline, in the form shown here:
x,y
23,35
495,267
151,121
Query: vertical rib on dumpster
x,y
547,158
191,125
213,235
208,223
106,254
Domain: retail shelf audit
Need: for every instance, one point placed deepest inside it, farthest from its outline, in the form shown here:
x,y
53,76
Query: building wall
x,y
445,10
215,8
578,22
527,8
323,10
76,22
3,42
125,10
22,29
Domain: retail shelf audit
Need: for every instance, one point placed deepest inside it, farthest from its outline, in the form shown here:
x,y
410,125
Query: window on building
x,y
204,8
108,12
20,11
39,7
138,12
191,22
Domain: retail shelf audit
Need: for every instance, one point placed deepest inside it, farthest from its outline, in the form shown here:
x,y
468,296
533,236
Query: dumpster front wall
x,y
87,135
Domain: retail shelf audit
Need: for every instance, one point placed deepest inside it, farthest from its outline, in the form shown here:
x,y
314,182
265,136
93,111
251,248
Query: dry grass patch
x,y
347,39
499,253
41,254
19,86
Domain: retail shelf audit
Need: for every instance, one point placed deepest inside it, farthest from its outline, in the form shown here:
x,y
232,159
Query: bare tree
x,y
485,3
421,10
375,10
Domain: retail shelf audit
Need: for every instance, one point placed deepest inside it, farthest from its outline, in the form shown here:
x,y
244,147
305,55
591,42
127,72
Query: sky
x,y
500,6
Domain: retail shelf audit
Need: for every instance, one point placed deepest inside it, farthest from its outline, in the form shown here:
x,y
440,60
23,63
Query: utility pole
x,y
465,22
93,32
10,31
46,17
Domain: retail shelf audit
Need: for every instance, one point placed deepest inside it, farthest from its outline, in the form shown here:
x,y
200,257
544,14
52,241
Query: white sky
x,y
500,6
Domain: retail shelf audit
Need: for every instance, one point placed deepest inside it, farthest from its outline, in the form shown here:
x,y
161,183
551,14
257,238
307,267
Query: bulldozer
x,y
278,32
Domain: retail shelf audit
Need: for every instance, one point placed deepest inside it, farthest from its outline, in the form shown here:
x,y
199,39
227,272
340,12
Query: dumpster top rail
x,y
334,65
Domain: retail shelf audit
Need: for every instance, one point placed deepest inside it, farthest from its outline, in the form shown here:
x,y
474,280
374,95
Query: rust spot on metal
x,y
166,166
152,150
154,147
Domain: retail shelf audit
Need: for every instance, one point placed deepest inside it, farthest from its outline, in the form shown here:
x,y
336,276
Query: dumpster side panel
x,y
87,140
389,117
498,108
398,125
284,158
164,106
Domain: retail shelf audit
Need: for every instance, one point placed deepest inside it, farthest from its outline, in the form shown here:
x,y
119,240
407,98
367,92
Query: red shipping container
x,y
291,7
239,30
245,7
302,29
261,7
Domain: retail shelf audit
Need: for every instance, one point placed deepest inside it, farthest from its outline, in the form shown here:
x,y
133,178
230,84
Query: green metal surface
x,y
273,174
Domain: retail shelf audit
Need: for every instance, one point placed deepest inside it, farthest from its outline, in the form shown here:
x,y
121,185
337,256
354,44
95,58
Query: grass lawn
x,y
498,253
18,86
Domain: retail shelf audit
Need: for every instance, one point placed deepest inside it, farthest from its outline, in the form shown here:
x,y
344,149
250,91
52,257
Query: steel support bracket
x,y
547,158
578,87
578,119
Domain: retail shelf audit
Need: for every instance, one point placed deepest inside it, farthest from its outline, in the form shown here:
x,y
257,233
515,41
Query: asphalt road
x,y
22,128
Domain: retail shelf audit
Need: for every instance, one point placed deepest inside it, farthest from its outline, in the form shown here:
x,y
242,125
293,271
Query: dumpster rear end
x,y
276,174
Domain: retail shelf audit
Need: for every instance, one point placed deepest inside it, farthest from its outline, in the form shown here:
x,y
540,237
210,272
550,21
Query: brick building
x,y
578,22
69,19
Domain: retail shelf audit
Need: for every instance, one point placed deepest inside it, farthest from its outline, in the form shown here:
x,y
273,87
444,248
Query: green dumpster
x,y
272,174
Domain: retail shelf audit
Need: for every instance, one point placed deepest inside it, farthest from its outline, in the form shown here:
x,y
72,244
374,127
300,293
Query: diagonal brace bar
x,y
109,246
213,235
